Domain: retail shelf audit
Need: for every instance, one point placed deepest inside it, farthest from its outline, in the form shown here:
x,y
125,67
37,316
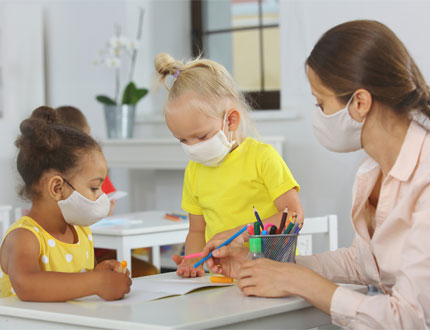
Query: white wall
x,y
76,30
22,55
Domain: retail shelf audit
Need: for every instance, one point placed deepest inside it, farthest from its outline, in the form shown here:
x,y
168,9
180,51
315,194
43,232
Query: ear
x,y
361,104
233,119
56,187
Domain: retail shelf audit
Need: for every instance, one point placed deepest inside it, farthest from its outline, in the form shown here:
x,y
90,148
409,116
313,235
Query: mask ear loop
x,y
223,124
69,183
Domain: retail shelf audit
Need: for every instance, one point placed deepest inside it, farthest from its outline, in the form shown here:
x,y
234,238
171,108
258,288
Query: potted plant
x,y
120,110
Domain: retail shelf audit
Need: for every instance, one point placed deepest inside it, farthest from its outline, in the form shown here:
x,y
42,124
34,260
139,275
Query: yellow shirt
x,y
253,174
54,255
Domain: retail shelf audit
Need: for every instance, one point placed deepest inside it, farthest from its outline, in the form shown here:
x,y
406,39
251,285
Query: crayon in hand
x,y
123,267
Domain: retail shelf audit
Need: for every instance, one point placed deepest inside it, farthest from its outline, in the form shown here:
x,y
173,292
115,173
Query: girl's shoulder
x,y
28,223
259,148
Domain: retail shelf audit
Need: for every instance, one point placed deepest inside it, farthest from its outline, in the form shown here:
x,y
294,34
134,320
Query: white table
x,y
219,308
138,230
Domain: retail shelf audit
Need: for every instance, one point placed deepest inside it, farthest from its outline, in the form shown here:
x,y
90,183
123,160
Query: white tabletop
x,y
137,223
206,308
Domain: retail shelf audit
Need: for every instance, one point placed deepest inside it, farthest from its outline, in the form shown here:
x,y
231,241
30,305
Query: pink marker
x,y
267,226
250,229
194,255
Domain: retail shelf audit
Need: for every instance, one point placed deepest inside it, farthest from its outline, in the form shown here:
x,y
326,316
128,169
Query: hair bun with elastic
x,y
40,130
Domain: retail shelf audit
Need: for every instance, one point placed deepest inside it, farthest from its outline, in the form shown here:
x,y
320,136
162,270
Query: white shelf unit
x,y
157,153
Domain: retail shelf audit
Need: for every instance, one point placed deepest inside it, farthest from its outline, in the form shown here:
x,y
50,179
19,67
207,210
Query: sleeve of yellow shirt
x,y
189,202
275,173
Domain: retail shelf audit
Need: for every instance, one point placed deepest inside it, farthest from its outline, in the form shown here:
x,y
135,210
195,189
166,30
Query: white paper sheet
x,y
158,286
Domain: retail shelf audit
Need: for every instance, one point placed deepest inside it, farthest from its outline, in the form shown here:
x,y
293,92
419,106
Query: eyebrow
x,y
100,179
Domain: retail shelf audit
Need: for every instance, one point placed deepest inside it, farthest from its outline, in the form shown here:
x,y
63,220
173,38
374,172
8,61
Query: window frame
x,y
259,100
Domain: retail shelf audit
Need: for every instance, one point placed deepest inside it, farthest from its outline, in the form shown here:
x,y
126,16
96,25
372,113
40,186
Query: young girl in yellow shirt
x,y
48,255
229,172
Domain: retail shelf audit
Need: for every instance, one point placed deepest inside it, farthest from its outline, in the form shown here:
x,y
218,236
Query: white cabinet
x,y
157,153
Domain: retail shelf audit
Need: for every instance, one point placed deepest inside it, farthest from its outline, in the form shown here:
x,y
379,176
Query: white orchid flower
x,y
132,45
115,52
112,62
118,42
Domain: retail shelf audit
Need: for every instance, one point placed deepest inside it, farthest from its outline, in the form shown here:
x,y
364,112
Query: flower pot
x,y
120,120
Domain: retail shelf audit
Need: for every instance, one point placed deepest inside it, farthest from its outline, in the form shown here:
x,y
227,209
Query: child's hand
x,y
185,267
112,207
112,265
112,285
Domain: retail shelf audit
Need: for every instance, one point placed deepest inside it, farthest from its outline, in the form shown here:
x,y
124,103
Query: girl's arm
x,y
291,200
194,243
19,259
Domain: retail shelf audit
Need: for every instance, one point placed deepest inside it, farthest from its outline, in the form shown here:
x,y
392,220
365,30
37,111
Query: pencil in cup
x,y
280,247
290,245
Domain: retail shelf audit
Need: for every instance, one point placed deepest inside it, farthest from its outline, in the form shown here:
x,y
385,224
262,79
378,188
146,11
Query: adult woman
x,y
368,90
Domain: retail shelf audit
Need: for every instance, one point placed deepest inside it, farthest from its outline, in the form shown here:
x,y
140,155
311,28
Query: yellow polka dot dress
x,y
55,255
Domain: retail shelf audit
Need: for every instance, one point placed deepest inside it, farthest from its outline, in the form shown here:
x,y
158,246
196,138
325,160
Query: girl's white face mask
x,y
213,151
337,132
81,211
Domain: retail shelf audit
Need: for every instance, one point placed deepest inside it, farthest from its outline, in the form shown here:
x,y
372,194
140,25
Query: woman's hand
x,y
267,278
221,237
227,259
185,267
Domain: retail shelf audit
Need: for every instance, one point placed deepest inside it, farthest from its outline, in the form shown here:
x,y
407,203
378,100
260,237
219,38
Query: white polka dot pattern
x,y
51,242
45,259
69,257
90,237
36,229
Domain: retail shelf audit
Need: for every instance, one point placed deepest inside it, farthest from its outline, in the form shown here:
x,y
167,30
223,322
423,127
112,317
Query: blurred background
x,y
50,54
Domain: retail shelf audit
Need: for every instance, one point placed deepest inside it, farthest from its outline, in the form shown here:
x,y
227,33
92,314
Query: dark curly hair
x,y
45,144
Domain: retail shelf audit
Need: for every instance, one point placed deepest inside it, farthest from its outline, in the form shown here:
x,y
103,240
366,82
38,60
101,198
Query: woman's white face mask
x,y
338,132
213,151
81,211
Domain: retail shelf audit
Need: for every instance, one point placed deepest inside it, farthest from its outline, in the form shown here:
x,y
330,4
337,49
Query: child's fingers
x,y
177,259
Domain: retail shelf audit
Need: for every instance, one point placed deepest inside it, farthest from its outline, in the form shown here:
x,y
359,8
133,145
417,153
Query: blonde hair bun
x,y
166,65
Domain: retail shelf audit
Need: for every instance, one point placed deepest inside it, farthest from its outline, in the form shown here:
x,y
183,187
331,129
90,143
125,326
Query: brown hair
x,y
72,117
367,54
46,144
210,82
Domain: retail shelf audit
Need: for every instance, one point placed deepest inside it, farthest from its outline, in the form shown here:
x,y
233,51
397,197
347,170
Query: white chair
x,y
4,219
318,225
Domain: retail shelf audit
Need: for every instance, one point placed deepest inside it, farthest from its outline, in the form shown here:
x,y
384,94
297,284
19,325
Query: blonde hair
x,y
212,84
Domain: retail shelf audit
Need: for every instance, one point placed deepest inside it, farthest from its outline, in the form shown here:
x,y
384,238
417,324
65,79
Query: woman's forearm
x,y
315,289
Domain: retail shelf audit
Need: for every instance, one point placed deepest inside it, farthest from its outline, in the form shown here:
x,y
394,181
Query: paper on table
x,y
117,195
158,286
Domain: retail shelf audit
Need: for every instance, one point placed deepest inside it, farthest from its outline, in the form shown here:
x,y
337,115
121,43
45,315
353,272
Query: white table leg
x,y
155,257
124,253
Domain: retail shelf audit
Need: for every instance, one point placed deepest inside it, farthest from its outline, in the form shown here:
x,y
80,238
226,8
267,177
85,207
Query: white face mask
x,y
337,132
213,151
81,211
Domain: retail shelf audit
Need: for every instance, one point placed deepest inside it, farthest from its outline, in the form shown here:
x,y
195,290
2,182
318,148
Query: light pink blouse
x,y
397,258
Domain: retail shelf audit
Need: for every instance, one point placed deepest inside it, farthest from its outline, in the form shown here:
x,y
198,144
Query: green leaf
x,y
105,100
132,94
